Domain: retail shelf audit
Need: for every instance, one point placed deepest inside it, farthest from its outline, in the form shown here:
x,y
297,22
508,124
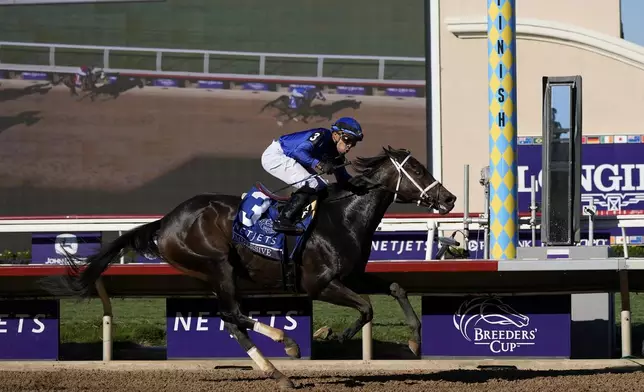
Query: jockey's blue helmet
x,y
349,126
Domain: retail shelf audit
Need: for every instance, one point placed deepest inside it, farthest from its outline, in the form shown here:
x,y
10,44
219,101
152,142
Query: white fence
x,y
431,224
106,51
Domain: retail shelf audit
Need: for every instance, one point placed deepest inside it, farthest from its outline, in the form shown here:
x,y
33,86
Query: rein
x,y
375,185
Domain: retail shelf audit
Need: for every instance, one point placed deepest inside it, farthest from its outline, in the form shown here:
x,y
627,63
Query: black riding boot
x,y
285,222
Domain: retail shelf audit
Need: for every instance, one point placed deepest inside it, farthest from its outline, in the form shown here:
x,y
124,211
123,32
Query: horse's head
x,y
408,179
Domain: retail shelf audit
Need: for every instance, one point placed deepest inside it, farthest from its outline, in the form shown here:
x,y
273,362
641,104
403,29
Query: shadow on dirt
x,y
472,376
10,94
27,118
353,350
320,350
120,351
451,376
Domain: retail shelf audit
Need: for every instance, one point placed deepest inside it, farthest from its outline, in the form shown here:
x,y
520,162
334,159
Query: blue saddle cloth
x,y
253,225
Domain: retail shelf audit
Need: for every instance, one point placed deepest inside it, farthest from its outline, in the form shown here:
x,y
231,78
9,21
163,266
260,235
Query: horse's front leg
x,y
338,294
373,284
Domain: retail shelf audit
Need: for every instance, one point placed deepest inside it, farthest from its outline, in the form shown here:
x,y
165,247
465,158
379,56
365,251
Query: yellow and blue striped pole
x,y
504,217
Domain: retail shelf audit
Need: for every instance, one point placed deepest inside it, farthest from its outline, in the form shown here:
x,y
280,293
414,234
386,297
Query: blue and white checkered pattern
x,y
253,225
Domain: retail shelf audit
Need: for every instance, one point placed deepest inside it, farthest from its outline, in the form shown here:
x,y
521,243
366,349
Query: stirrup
x,y
287,228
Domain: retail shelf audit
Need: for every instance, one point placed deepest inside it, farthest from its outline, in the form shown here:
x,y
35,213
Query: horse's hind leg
x,y
237,322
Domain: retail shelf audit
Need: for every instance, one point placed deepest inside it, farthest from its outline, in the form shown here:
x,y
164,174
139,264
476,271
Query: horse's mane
x,y
367,165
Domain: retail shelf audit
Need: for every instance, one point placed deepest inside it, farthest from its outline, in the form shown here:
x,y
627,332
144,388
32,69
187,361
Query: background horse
x,y
196,238
88,83
283,106
115,88
327,111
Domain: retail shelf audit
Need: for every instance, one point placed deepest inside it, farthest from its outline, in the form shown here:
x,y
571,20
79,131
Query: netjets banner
x,y
29,329
195,330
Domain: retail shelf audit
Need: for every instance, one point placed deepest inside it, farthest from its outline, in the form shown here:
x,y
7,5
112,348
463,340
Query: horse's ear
x,y
386,151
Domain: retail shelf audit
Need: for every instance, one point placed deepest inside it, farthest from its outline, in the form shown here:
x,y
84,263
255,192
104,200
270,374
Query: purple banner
x,y
34,76
146,259
400,92
351,90
217,84
612,175
51,248
486,326
194,329
255,86
165,83
400,245
302,86
29,329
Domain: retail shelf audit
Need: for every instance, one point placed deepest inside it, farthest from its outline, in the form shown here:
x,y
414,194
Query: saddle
x,y
253,229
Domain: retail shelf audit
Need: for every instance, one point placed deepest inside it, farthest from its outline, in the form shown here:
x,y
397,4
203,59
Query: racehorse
x,y
327,111
120,84
196,238
282,104
88,83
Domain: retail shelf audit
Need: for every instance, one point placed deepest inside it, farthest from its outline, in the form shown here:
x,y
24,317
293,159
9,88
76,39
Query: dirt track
x,y
209,379
151,148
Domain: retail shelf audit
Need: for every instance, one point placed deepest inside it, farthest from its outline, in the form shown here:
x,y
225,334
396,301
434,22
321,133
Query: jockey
x,y
83,71
301,94
295,157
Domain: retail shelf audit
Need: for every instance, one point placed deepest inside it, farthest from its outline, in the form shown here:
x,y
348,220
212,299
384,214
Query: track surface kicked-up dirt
x,y
240,380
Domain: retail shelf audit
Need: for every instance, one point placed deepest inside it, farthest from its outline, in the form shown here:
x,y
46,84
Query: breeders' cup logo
x,y
66,244
490,322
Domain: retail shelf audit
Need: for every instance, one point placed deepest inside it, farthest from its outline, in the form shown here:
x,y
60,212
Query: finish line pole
x,y
504,217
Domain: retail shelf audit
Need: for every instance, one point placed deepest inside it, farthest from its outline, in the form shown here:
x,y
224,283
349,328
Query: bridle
x,y
401,171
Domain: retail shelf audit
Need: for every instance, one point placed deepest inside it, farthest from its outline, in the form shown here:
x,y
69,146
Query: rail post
x,y
107,320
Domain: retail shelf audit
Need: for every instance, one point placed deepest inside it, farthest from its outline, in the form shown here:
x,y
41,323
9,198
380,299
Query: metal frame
x,y
574,159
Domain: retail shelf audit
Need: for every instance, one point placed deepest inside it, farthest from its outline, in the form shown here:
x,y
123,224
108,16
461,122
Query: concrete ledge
x,y
556,33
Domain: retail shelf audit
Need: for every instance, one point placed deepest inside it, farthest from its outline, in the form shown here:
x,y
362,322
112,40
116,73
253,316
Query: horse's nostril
x,y
450,199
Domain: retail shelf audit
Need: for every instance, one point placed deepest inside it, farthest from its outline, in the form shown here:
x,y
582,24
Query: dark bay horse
x,y
196,238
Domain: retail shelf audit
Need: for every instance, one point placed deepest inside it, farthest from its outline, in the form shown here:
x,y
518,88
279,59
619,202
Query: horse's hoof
x,y
280,123
414,347
291,348
323,333
293,352
285,384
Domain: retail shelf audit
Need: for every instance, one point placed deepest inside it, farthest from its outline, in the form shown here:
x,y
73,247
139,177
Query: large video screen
x,y
141,141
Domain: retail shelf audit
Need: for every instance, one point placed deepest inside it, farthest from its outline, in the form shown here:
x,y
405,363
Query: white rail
x,y
206,54
431,225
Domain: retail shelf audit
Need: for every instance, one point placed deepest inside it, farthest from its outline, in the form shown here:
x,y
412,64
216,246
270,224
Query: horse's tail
x,y
271,103
141,239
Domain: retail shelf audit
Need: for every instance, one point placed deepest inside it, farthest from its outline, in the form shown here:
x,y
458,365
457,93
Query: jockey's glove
x,y
325,167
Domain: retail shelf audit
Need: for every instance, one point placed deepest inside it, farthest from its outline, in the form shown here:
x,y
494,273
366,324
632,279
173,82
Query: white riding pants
x,y
288,169
296,93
